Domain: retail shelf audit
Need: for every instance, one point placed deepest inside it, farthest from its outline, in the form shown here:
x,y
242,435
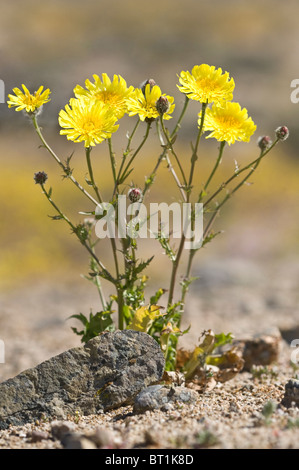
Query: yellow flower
x,y
87,120
144,104
25,100
228,123
206,84
114,94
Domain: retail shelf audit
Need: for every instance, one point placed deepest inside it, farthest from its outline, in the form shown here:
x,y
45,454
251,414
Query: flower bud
x,y
135,194
40,177
151,82
162,105
264,142
282,133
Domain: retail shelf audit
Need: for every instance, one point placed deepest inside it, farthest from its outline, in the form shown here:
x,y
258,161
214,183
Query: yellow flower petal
x,y
228,123
113,94
144,104
206,84
24,100
87,120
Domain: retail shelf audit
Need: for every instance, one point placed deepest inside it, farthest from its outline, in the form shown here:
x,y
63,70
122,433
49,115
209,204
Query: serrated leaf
x,y
155,298
55,217
144,317
141,266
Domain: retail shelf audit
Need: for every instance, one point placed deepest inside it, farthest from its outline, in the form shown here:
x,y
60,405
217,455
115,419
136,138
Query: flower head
x,y
264,142
113,93
87,120
228,123
162,105
144,104
282,133
135,194
149,81
40,177
206,84
24,100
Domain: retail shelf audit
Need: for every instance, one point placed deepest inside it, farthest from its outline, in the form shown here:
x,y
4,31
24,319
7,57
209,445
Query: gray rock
x,y
159,397
105,373
291,395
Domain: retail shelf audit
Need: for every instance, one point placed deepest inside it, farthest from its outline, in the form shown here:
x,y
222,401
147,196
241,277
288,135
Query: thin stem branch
x,y
178,124
112,160
74,230
169,142
194,154
222,144
65,170
125,154
123,175
181,245
176,178
90,172
229,195
238,172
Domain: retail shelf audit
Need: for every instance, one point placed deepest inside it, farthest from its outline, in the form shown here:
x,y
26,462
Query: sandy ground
x,y
231,295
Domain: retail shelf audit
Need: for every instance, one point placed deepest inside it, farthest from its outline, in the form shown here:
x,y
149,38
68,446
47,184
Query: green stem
x,y
181,246
238,172
120,302
122,176
98,283
67,220
112,240
175,266
229,195
194,154
178,125
151,178
176,178
222,144
172,150
125,154
90,171
112,159
53,154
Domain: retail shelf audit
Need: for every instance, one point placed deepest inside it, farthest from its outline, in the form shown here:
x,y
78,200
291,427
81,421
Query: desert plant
x,y
91,117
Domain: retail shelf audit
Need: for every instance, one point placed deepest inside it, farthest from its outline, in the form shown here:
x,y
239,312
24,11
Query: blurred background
x,y
59,44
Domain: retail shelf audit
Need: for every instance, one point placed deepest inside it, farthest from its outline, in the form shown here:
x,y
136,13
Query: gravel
x,y
230,416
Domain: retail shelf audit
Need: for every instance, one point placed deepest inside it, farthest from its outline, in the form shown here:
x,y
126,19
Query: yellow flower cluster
x,y
24,100
91,116
225,119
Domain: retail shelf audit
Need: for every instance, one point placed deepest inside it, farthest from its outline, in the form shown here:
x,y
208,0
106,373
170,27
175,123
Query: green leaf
x,y
55,217
97,323
144,317
82,318
210,237
221,339
141,266
155,298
